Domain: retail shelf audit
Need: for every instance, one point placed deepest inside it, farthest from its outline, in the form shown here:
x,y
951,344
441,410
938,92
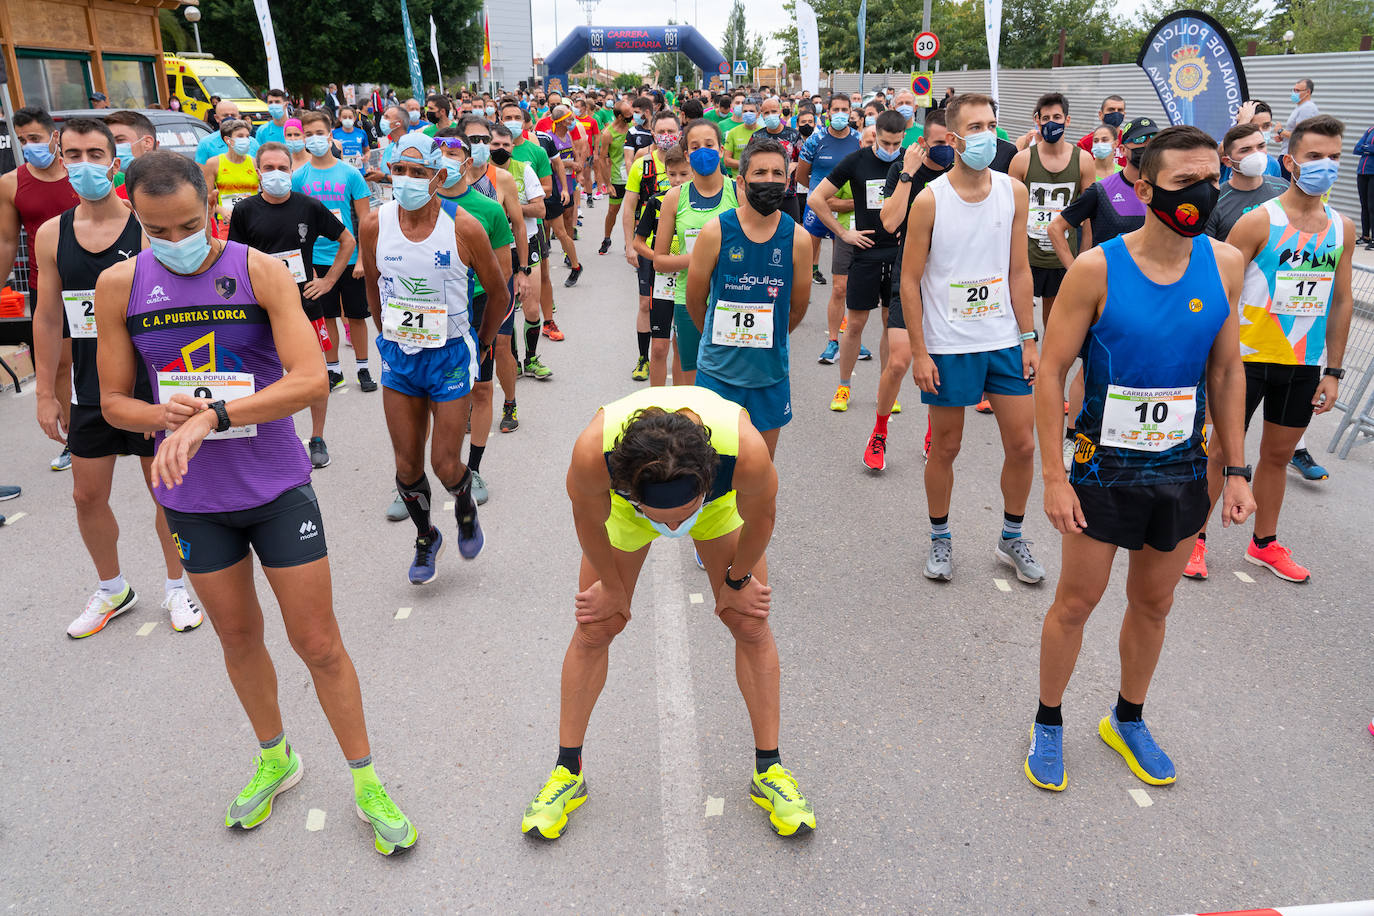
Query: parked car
x,y
176,130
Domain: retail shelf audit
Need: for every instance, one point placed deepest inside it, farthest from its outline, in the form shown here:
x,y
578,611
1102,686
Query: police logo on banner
x,y
1188,74
1195,70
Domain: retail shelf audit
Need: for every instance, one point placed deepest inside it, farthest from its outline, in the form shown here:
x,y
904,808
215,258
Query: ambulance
x,y
193,78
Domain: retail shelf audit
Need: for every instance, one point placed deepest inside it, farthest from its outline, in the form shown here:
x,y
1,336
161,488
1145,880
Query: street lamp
x,y
192,14
1288,42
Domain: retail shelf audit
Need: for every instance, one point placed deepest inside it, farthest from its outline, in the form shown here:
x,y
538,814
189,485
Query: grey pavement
x,y
906,703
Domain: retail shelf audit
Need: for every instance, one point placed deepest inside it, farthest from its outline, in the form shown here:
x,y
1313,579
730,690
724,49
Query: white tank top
x,y
430,271
965,292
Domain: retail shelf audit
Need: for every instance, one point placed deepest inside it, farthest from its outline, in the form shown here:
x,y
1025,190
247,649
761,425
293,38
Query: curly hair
x,y
656,446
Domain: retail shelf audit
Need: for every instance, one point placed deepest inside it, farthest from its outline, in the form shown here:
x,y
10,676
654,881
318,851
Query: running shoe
x,y
535,368
831,351
875,456
336,380
319,455
940,563
509,421
551,330
896,406
547,814
182,609
864,352
1371,726
696,555
428,550
1016,553
396,512
1278,560
100,610
480,494
775,791
1133,741
365,380
63,462
567,261
1045,760
1066,408
817,277
470,539
841,401
925,449
641,373
572,277
1197,563
1302,460
273,777
605,246
983,406
392,831
9,492
844,324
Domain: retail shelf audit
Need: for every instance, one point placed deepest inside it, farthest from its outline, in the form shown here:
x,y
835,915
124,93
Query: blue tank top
x,y
744,340
1144,365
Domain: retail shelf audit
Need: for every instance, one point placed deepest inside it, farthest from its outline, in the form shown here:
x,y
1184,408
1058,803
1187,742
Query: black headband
x,y
669,494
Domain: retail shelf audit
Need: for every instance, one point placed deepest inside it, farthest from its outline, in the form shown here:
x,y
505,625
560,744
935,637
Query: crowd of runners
x,y
184,310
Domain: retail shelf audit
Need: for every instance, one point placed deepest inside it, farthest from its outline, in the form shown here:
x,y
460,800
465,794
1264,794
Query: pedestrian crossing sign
x,y
741,68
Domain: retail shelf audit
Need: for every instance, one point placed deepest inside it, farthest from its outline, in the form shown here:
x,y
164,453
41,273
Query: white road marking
x,y
1244,577
147,628
695,598
314,819
715,807
1142,798
1002,585
684,841
11,519
402,613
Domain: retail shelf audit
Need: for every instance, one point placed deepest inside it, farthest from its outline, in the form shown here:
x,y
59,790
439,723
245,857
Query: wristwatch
x,y
1032,334
1232,471
737,584
222,413
1334,371
906,178
525,270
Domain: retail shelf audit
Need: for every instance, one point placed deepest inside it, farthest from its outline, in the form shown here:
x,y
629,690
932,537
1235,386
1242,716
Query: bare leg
x,y
898,365
1271,475
92,479
1087,566
1150,585
170,557
231,603
1015,416
850,342
946,435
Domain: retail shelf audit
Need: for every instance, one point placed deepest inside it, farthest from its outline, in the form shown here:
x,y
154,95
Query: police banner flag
x,y
1195,70
417,83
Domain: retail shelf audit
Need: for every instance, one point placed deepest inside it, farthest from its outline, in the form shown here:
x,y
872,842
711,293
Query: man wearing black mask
x,y
748,296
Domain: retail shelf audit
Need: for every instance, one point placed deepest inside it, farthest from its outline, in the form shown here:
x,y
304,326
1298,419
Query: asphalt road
x,y
906,703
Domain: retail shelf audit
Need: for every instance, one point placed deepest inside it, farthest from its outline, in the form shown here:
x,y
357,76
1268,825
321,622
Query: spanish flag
x,y
486,43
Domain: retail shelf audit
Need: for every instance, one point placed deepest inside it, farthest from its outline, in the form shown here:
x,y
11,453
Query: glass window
x,y
55,83
171,86
130,83
193,90
227,87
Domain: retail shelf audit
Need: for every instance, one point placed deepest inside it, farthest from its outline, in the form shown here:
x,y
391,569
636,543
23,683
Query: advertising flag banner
x,y
809,46
417,82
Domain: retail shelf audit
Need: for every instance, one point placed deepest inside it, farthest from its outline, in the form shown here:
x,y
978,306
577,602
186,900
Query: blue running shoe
x,y
1302,460
864,352
470,538
1045,760
831,351
428,550
1133,741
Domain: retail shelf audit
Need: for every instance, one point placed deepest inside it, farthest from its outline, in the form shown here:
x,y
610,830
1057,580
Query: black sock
x,y
1126,711
570,757
1070,433
475,457
532,330
513,351
1050,715
643,344
463,506
1262,543
417,499
765,759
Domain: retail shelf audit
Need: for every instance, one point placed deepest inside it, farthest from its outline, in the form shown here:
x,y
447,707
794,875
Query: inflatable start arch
x,y
585,40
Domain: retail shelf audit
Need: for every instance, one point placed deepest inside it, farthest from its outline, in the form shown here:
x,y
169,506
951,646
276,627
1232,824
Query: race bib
x,y
212,386
689,239
873,191
227,202
1148,419
338,214
80,307
742,324
665,286
1047,200
416,324
294,263
1301,293
975,300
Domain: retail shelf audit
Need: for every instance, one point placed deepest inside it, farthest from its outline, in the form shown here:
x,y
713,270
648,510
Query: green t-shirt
x,y
615,151
603,117
738,138
913,133
430,130
716,116
531,152
490,214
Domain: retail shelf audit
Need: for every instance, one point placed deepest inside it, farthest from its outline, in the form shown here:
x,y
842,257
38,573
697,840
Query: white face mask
x,y
347,123
1253,165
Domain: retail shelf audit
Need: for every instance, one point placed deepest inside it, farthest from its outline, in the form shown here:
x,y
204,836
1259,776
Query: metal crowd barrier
x,y
1357,407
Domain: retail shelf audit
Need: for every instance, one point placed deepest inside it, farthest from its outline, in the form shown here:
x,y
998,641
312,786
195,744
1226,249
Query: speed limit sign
x,y
926,45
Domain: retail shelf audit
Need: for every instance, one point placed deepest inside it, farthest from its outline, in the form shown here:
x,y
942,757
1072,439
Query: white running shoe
x,y
183,610
100,610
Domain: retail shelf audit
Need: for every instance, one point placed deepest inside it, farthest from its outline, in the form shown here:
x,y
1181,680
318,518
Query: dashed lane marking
x,y
1244,577
1002,585
695,598
314,819
147,628
402,613
715,807
1142,798
11,519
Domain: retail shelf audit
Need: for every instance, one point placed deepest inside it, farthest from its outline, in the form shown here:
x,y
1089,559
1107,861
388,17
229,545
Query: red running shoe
x,y
1278,560
875,456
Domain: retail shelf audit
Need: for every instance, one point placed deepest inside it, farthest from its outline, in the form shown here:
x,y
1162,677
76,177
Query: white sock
x,y
1302,443
171,585
362,364
332,367
112,586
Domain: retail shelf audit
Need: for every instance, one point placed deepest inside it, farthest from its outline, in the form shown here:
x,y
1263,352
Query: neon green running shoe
x,y
254,803
392,831
548,813
776,792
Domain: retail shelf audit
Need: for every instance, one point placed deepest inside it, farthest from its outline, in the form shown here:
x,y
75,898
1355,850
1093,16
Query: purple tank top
x,y
211,324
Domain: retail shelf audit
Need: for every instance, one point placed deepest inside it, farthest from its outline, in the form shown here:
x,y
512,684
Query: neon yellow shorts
x,y
629,531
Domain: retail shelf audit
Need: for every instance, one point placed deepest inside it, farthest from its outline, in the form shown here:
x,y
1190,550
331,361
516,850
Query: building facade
x,y
512,45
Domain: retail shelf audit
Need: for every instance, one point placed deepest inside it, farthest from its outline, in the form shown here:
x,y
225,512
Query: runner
x,y
30,195
70,251
215,143
232,175
1139,476
134,135
678,461
352,141
591,133
286,225
747,296
967,305
739,136
1297,305
539,152
564,137
647,178
683,213
532,200
614,168
341,189
295,145
229,471
776,127
416,259
1112,114
273,130
661,312
1104,158
905,105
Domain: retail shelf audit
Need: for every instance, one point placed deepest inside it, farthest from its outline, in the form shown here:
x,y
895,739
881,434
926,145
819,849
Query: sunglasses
x,y
479,138
450,142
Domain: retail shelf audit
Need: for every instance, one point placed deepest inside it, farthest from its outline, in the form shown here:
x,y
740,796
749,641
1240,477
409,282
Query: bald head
x,y
227,109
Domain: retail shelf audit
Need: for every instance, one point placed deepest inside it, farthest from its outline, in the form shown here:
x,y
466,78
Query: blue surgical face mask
x,y
682,530
384,125
839,120
411,193
1316,176
979,150
90,180
453,172
870,120
125,152
639,119
704,161
317,145
942,155
277,110
491,110
906,111
242,145
885,155
1102,149
295,146
38,155
1294,97
750,118
772,121
481,154
516,126
181,257
414,115
737,111
276,182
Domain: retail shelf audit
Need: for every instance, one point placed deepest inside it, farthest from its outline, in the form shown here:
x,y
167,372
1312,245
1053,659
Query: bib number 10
x,y
1157,412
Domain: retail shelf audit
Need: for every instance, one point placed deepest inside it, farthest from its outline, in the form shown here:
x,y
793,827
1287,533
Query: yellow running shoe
x,y
896,406
776,792
548,812
841,401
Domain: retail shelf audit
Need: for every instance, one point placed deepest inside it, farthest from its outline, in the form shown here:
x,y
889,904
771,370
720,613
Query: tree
x,y
628,81
1318,25
736,44
174,37
670,63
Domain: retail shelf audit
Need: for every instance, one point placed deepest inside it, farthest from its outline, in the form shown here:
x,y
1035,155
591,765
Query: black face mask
x,y
500,156
432,117
765,196
806,129
1137,156
1186,210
